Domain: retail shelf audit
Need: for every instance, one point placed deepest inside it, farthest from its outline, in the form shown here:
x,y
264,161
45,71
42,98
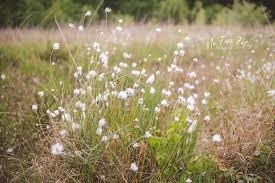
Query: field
x,y
137,103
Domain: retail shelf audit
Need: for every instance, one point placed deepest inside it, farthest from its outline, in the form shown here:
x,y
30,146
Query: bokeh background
x,y
27,13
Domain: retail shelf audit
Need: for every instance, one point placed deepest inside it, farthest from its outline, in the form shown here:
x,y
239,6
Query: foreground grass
x,y
240,112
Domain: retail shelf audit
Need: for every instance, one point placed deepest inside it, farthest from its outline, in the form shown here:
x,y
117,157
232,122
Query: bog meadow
x,y
137,91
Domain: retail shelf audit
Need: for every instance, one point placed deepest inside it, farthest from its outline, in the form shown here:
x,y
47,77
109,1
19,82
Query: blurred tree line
x,y
41,12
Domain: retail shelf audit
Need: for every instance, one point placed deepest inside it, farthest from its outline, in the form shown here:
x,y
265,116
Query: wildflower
x,y
135,86
134,64
108,10
101,77
206,118
134,167
164,103
80,28
192,74
41,93
180,90
191,103
206,94
63,133
120,21
189,120
104,59
188,180
71,25
135,72
157,109
104,139
151,79
91,74
158,29
103,178
147,134
216,138
3,76
130,91
216,81
127,55
135,145
179,45
271,93
166,93
181,100
80,105
88,13
102,122
57,149
56,46
9,150
66,117
117,70
118,29
122,95
99,131
152,90
188,86
75,126
140,101
192,127
34,107
204,102
182,53
115,136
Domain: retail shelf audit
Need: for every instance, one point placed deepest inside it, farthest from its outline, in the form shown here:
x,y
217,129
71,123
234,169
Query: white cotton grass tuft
x,y
206,118
147,134
192,127
41,93
135,145
108,10
71,25
102,122
122,95
120,21
188,180
88,13
151,79
63,133
80,28
10,150
3,76
34,107
216,138
75,126
56,46
271,93
191,103
134,167
158,29
57,149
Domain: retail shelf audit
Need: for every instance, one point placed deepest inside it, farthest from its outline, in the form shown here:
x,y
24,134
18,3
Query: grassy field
x,y
137,103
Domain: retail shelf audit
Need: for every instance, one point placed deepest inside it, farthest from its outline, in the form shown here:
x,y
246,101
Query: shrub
x,y
175,11
242,14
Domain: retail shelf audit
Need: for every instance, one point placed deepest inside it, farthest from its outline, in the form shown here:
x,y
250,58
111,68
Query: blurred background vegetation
x,y
28,13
